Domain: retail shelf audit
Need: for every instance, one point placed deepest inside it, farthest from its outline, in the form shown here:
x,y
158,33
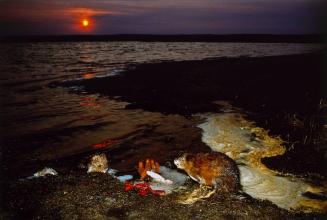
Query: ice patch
x,y
232,134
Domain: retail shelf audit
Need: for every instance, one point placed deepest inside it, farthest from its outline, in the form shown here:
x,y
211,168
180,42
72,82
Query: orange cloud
x,y
70,18
58,13
88,12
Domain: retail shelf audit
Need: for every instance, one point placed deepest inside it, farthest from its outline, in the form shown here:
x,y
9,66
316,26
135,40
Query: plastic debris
x,y
161,184
143,189
158,178
98,163
177,180
176,177
167,188
128,186
44,172
112,172
124,178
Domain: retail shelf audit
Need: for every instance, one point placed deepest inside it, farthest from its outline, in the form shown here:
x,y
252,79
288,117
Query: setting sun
x,y
85,23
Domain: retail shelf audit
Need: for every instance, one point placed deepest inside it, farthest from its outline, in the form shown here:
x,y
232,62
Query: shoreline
x,y
244,38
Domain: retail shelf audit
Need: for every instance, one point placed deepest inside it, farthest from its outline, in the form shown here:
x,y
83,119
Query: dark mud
x,y
97,196
281,83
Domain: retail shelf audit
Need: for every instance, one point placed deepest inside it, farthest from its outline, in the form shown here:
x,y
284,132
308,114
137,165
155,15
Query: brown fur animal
x,y
211,169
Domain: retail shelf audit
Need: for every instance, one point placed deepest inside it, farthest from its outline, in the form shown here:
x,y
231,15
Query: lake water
x,y
26,69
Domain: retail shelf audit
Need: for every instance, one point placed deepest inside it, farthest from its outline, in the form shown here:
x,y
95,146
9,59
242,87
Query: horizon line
x,y
300,38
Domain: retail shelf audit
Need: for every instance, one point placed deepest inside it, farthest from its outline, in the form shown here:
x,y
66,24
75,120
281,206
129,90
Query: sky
x,y
59,17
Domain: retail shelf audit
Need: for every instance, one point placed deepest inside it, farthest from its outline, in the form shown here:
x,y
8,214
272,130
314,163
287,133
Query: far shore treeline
x,y
259,38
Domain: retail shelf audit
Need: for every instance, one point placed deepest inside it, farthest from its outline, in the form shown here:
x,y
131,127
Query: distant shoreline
x,y
246,38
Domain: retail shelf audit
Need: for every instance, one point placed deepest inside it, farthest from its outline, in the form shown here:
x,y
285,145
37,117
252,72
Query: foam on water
x,y
232,134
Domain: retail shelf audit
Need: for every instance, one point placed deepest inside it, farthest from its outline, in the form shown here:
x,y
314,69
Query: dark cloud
x,y
160,17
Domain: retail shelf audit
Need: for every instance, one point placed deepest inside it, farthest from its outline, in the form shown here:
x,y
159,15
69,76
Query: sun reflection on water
x,y
89,75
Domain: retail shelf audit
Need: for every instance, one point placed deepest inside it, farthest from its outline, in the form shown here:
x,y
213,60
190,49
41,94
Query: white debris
x,y
44,172
168,180
176,177
177,180
168,188
124,178
112,172
158,178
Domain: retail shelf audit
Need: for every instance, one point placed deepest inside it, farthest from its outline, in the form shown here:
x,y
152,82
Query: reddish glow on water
x,y
105,144
88,75
89,102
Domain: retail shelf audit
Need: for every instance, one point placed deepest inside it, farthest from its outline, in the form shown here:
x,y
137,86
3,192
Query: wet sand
x,y
269,88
